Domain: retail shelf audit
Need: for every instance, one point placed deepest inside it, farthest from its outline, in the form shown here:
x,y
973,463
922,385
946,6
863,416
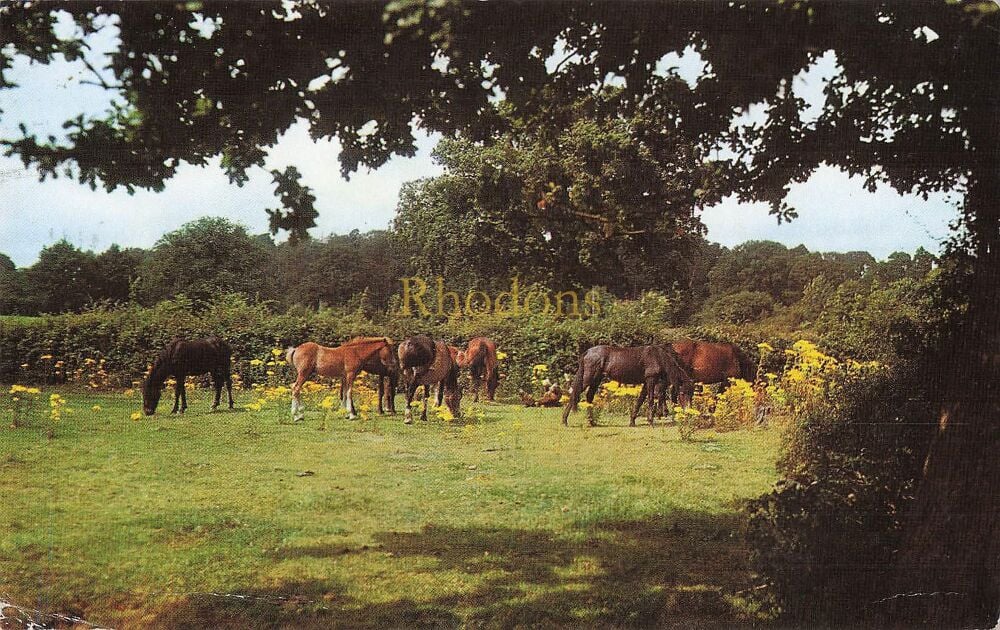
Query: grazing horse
x,y
344,361
650,366
713,362
181,359
426,362
481,357
385,365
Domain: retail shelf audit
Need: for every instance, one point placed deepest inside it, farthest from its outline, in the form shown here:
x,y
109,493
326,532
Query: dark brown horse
x,y
480,356
181,359
344,361
711,363
385,365
651,366
426,362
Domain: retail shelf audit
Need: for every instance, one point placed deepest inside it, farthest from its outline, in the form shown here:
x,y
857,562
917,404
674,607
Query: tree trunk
x,y
947,573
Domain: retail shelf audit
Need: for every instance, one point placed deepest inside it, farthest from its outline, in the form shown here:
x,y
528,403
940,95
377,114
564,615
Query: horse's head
x,y
150,396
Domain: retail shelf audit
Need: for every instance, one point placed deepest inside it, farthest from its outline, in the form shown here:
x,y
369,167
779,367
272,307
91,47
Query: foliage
x,y
575,196
298,212
205,258
824,538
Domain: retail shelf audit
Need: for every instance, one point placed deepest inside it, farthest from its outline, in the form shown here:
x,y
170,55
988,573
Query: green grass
x,y
513,520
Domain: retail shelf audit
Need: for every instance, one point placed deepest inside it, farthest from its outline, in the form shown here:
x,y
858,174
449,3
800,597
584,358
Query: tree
x,y
63,279
204,259
333,270
576,195
914,103
114,271
14,296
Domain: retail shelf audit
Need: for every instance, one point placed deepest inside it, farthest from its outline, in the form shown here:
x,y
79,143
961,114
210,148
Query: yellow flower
x,y
276,352
541,367
128,393
135,415
256,362
328,402
96,408
445,414
270,372
501,355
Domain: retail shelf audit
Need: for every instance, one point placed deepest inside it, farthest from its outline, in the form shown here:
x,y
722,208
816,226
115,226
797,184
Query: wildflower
x,y
501,355
541,367
95,408
327,402
256,362
128,393
135,415
276,352
445,414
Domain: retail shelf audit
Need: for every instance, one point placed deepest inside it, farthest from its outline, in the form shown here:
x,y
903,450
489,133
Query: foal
x,y
481,357
344,361
181,359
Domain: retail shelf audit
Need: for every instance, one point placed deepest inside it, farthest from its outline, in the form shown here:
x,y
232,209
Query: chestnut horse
x,y
181,359
710,363
651,366
344,361
427,362
481,357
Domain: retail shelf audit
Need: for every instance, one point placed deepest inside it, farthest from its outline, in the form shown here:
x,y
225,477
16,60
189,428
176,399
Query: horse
x,y
481,357
385,365
344,361
711,363
427,362
652,366
181,359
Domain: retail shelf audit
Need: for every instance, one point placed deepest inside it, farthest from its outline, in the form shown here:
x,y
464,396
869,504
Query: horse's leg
x,y
638,405
349,399
651,386
381,393
492,381
440,393
177,396
411,390
184,397
594,385
217,384
574,394
427,394
298,413
476,383
391,394
229,388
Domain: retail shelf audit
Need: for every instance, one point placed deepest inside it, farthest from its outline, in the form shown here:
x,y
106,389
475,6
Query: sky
x,y
835,212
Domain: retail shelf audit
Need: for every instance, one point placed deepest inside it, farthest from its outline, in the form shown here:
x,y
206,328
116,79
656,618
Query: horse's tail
x,y
290,355
748,371
574,394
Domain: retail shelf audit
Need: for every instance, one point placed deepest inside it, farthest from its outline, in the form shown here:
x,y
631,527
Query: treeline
x,y
753,282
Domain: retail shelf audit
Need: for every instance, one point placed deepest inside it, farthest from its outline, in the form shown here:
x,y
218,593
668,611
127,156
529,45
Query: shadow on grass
x,y
674,571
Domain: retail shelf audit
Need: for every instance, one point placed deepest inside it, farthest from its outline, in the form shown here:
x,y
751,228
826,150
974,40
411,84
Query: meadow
x,y
240,519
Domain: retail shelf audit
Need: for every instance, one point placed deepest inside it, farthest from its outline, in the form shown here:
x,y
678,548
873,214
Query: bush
x,y
824,538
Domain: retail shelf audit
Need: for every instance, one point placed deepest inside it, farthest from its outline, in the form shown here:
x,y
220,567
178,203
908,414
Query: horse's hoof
x,y
407,420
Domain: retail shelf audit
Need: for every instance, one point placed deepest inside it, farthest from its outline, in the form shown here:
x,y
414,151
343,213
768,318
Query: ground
x,y
237,519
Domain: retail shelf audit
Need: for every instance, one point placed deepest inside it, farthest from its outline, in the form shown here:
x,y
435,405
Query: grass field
x,y
236,520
